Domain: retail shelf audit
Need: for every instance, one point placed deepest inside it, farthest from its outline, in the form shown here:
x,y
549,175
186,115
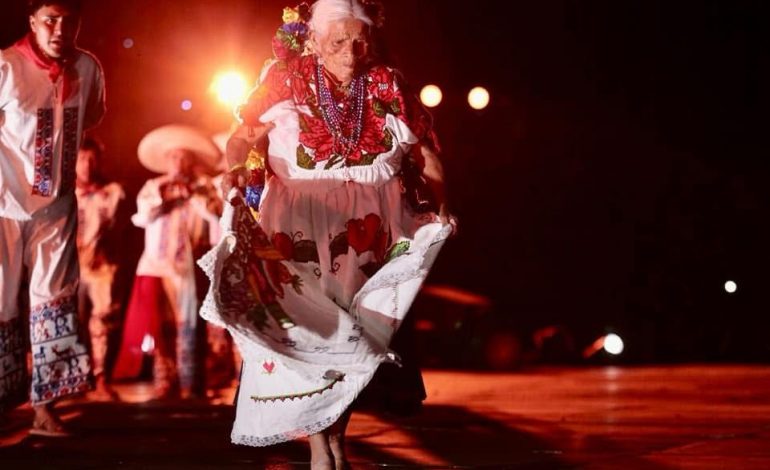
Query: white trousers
x,y
41,255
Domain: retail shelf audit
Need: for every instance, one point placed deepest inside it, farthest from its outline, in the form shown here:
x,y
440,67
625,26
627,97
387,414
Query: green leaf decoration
x,y
303,126
304,160
370,268
296,283
387,139
335,158
366,159
378,108
339,246
397,250
395,107
305,251
315,110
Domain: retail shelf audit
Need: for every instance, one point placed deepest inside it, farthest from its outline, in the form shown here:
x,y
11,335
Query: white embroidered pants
x,y
41,255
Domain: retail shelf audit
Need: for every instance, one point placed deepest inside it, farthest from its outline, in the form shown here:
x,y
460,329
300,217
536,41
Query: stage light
x,y
186,105
128,43
231,88
478,98
148,343
731,287
431,96
613,344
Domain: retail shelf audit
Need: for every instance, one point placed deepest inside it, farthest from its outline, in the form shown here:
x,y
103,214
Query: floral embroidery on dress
x,y
366,235
269,367
253,278
294,79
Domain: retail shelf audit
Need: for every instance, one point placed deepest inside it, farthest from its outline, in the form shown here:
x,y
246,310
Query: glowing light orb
x,y
230,88
478,98
128,43
613,344
186,105
731,287
431,96
148,343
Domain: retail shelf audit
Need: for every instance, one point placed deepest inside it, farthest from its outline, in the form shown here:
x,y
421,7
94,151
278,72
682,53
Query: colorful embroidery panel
x,y
43,153
60,364
69,149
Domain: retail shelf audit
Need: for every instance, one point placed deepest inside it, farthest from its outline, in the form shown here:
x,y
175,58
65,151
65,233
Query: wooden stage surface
x,y
690,416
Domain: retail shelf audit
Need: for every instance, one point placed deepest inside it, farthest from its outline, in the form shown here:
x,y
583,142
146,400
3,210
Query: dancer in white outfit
x,y
315,287
50,91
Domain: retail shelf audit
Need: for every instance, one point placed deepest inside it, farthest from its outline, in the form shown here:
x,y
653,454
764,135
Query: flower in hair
x,y
291,37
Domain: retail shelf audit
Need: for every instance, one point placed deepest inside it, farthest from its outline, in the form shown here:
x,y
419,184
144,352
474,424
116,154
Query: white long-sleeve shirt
x,y
171,236
40,130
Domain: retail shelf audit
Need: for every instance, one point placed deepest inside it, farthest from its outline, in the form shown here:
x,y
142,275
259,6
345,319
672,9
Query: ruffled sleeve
x,y
274,86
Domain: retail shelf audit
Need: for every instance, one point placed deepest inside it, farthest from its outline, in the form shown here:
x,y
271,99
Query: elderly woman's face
x,y
343,46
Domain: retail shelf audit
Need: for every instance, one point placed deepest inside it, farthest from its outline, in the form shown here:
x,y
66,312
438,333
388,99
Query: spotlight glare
x,y
128,43
186,105
731,287
230,88
431,96
148,343
478,98
613,344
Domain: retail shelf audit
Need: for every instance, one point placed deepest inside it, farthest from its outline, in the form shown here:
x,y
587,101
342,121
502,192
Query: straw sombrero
x,y
154,147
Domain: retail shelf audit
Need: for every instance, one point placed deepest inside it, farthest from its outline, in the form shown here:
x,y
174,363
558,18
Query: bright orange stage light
x,y
431,96
478,98
230,88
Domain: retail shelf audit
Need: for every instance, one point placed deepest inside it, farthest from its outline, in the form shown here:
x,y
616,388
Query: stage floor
x,y
693,417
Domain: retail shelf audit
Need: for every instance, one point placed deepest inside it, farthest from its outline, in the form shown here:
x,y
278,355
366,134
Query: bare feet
x,y
322,465
46,423
337,446
321,457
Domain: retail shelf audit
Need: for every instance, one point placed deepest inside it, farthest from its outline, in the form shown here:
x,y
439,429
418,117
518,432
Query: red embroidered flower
x,y
284,244
362,233
273,89
381,85
316,136
372,140
301,71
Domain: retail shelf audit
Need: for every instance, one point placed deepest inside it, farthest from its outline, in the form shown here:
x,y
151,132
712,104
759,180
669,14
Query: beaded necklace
x,y
344,120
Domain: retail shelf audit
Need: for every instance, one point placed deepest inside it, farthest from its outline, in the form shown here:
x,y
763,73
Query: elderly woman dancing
x,y
324,255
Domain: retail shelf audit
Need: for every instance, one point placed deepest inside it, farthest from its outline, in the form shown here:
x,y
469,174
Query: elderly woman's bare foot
x,y
321,457
342,465
337,446
322,465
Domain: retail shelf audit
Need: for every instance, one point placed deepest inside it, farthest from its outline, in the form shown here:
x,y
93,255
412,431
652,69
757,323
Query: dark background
x,y
616,181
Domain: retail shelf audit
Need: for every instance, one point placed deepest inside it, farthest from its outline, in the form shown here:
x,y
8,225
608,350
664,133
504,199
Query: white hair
x,y
324,12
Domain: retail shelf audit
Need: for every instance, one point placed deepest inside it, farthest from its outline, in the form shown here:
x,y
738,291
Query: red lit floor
x,y
693,417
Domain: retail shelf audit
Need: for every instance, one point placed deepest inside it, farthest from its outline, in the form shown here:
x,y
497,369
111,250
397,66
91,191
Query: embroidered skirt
x,y
312,294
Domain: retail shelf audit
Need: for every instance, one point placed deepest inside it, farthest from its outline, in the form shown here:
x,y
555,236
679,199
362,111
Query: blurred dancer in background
x,y
179,212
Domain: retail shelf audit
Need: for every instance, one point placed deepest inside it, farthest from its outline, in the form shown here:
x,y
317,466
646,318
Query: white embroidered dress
x,y
313,291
